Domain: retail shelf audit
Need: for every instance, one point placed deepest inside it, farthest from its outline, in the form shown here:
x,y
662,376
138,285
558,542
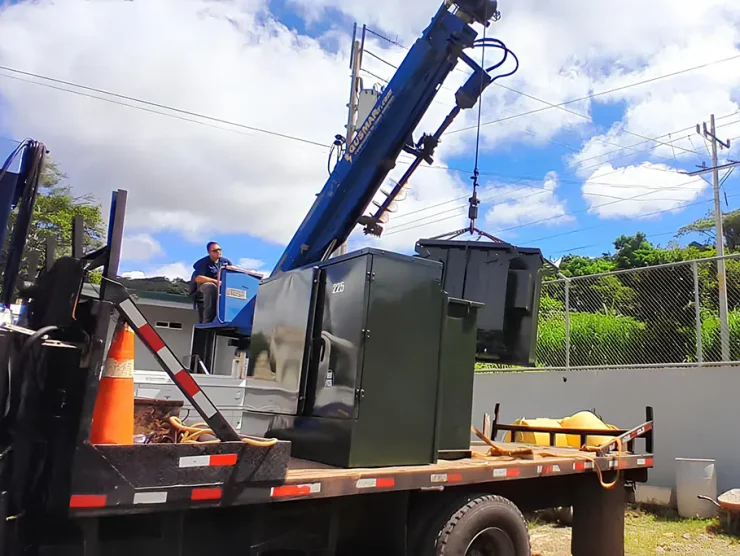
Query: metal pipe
x,y
654,267
567,317
621,367
697,311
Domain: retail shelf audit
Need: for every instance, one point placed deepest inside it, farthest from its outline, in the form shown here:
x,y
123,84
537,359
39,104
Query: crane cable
x,y
473,200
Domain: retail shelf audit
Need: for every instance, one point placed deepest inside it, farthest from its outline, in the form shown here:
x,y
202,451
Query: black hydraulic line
x,y
428,144
32,166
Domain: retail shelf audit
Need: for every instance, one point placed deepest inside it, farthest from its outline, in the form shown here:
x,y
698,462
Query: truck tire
x,y
482,525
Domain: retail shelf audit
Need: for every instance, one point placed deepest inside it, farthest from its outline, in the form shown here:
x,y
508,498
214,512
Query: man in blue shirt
x,y
204,281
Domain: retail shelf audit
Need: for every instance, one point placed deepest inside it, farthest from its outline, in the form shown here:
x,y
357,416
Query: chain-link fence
x,y
667,314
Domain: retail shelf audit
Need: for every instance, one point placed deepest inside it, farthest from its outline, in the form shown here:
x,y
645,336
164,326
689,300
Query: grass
x,y
647,532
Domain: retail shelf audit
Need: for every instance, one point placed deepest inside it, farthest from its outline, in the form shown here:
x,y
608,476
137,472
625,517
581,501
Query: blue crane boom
x,y
386,132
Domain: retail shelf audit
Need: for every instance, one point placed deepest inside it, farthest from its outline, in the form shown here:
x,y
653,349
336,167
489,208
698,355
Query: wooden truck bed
x,y
311,480
210,475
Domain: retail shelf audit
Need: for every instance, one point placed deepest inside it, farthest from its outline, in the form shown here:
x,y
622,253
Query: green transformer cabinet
x,y
353,344
507,279
456,375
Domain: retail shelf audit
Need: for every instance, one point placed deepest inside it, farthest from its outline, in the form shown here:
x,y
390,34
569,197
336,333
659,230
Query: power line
x,y
182,118
540,221
154,104
539,178
562,107
600,93
569,147
134,99
572,249
384,38
584,116
669,143
531,179
655,213
166,107
175,110
681,187
527,95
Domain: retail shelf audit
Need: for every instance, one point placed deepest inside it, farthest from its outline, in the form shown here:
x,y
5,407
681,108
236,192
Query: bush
x,y
710,335
595,339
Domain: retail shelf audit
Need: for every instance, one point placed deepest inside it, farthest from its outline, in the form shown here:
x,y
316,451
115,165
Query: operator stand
x,y
237,288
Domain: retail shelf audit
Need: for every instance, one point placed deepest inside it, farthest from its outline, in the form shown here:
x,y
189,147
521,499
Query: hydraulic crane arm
x,y
387,131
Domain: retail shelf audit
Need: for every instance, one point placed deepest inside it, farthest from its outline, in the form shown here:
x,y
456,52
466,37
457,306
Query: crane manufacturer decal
x,y
371,122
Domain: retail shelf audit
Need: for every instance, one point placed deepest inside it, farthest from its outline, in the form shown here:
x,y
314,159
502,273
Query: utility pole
x,y
355,64
721,274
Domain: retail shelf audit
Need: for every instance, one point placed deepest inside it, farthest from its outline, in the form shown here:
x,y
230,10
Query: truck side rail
x,y
621,436
220,485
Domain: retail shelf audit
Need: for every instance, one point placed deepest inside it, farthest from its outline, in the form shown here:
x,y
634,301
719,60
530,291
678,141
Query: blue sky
x,y
189,183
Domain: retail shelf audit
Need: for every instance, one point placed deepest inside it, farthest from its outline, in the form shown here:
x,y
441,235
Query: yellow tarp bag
x,y
586,420
537,438
580,420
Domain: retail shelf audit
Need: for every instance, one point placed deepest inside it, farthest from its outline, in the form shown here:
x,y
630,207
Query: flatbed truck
x,y
63,495
332,474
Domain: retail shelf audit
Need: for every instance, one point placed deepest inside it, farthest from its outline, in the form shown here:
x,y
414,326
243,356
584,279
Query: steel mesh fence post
x,y
567,322
552,336
697,311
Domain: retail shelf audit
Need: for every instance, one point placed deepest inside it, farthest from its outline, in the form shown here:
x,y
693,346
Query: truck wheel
x,y
486,525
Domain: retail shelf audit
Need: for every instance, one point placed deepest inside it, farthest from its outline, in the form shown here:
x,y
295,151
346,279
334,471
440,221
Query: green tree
x,y
633,251
55,208
574,265
705,226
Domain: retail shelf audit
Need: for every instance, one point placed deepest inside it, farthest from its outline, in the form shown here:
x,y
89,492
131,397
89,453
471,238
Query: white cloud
x,y
173,270
216,58
521,206
228,59
564,55
134,275
639,191
169,271
255,265
140,247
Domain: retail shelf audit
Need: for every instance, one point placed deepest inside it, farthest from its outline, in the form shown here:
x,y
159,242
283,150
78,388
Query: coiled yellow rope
x,y
191,433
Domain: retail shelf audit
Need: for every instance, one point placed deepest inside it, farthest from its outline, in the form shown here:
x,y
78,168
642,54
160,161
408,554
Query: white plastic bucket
x,y
695,477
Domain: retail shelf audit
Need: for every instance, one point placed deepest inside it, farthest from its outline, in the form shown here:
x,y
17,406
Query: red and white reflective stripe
x,y
547,469
130,310
646,462
446,478
295,490
83,501
171,363
214,460
150,497
583,465
504,472
203,494
380,482
149,335
186,381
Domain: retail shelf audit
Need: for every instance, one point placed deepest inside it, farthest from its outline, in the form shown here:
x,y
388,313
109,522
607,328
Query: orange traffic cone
x,y
113,417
